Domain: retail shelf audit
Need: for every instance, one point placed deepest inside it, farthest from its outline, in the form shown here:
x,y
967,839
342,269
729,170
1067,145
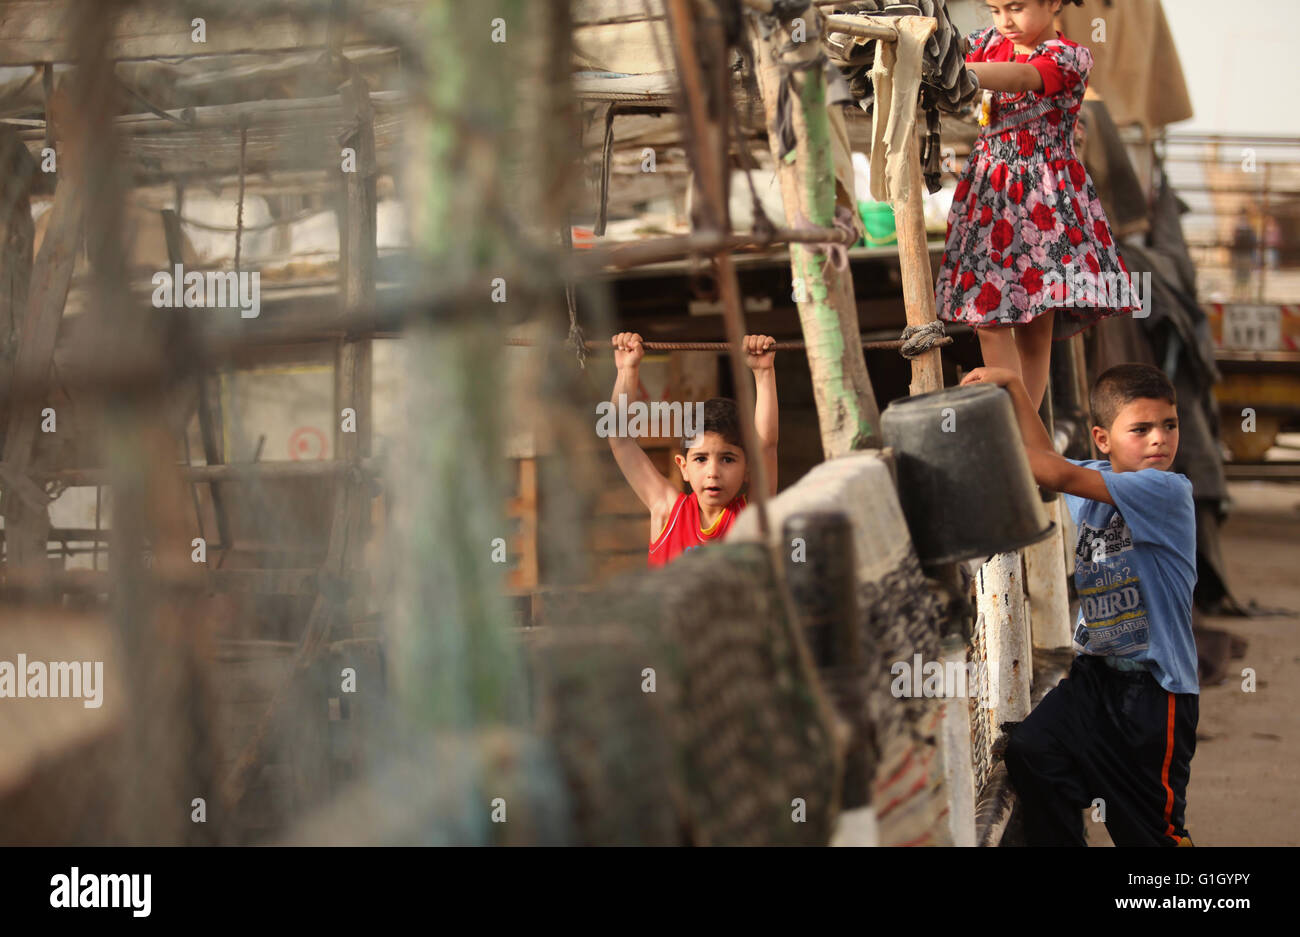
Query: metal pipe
x,y
791,345
250,471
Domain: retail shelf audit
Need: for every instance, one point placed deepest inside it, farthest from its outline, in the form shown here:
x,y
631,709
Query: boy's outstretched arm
x,y
1050,469
655,491
762,362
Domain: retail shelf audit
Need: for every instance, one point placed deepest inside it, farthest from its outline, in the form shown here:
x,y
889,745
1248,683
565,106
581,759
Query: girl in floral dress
x,y
1028,242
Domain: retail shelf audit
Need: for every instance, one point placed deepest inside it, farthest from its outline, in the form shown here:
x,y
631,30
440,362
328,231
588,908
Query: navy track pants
x,y
1108,734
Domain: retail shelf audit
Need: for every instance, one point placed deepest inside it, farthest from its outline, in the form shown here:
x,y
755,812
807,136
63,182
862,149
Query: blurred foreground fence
x,y
250,590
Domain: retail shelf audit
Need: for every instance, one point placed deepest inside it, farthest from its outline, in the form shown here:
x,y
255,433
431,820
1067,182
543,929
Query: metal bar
x,y
234,472
640,253
792,345
280,581
218,347
244,113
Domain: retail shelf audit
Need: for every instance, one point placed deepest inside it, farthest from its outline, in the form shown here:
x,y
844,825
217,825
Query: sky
x,y
1241,61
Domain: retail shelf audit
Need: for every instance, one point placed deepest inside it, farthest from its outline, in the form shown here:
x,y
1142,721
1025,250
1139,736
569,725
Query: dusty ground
x,y
1245,786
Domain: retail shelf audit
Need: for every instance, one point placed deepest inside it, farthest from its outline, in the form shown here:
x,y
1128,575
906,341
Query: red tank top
x,y
683,531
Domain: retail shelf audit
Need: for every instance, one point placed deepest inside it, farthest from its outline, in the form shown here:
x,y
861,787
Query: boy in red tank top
x,y
712,462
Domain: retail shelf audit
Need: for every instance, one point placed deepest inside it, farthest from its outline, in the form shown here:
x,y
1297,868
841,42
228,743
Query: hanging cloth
x,y
896,76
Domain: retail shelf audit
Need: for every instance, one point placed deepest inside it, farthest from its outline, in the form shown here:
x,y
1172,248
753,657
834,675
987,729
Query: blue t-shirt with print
x,y
1135,567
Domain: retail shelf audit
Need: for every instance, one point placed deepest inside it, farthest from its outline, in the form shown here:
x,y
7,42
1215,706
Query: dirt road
x,y
1245,786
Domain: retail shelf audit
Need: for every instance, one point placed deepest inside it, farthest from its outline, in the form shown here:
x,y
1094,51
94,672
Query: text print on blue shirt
x,y
1113,619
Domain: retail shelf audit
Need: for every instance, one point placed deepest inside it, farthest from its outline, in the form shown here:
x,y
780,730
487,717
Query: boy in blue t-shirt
x,y
1122,726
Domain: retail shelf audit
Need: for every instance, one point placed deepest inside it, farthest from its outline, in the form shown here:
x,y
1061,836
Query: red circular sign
x,y
307,444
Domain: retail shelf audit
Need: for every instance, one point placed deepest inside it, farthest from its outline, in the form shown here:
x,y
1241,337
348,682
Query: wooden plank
x,y
277,112
266,581
619,500
918,279
189,154
525,573
620,535
614,564
242,581
693,375
17,239
47,295
36,31
597,12
358,256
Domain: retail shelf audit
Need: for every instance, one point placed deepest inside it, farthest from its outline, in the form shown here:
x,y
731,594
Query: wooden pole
x,y
17,237
165,752
846,403
709,142
27,518
914,261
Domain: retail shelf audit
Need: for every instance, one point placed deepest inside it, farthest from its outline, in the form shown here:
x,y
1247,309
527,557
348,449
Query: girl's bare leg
x,y
998,348
1034,343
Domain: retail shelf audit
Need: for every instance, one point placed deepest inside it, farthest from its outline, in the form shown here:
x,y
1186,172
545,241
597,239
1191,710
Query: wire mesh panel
x,y
983,732
904,619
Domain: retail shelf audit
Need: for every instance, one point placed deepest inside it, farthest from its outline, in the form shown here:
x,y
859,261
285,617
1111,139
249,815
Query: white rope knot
x,y
918,339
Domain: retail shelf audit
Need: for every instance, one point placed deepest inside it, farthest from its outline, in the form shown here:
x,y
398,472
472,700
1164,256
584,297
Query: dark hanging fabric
x,y
1112,171
789,9
944,77
946,85
1178,333
931,164
785,102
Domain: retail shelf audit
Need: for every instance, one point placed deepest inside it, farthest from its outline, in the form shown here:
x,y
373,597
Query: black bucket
x,y
963,477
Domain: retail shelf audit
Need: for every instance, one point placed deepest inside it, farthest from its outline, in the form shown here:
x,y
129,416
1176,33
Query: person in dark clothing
x,y
1243,254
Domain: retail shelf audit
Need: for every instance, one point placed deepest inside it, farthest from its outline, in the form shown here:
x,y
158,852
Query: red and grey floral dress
x,y
1025,210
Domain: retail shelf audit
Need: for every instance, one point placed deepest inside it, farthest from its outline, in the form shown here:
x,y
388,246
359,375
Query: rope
x,y
575,338
838,252
919,339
